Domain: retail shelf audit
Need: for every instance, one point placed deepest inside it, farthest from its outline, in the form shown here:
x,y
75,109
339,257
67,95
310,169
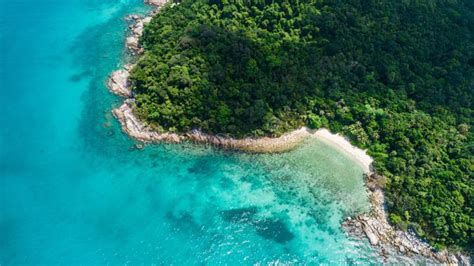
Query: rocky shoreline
x,y
373,225
376,228
138,130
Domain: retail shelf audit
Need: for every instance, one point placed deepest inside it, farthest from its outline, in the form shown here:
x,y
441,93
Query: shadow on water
x,y
241,215
271,229
184,221
275,230
81,76
203,166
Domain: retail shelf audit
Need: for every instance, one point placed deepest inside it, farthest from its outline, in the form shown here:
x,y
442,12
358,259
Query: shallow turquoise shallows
x,y
74,190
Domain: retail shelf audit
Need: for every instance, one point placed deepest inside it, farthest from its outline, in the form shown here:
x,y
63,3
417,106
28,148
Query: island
x,y
396,78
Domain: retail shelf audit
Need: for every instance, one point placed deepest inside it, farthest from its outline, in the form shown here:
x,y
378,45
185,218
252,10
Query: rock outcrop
x,y
136,26
380,232
118,82
137,129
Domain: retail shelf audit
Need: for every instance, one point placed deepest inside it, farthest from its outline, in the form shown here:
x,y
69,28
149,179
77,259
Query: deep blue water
x,y
74,190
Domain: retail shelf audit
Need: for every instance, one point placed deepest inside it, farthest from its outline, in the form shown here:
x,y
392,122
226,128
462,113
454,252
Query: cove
x,y
75,189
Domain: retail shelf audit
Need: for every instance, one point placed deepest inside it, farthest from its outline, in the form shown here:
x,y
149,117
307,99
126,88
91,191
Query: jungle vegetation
x,y
395,76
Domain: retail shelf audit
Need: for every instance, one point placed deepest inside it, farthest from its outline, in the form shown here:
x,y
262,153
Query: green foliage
x,y
316,121
397,77
395,219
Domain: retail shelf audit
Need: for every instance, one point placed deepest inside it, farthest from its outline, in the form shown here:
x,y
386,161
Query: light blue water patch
x,y
75,190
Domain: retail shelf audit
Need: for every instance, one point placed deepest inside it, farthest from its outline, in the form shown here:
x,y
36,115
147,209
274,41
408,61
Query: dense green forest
x,y
395,76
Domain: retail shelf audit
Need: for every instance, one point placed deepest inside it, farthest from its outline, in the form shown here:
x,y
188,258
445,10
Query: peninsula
x,y
395,77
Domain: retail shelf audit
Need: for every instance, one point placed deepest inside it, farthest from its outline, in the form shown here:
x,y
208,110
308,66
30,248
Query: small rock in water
x,y
139,146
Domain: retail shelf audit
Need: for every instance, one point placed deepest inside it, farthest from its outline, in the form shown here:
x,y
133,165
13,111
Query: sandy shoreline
x,y
138,130
342,144
373,225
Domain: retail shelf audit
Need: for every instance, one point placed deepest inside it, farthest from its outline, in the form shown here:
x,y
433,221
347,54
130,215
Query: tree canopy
x,y
395,76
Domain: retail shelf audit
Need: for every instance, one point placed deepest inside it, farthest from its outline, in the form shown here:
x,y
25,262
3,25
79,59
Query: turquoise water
x,y
74,190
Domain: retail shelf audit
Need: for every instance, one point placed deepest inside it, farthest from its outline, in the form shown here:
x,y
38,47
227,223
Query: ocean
x,y
75,190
